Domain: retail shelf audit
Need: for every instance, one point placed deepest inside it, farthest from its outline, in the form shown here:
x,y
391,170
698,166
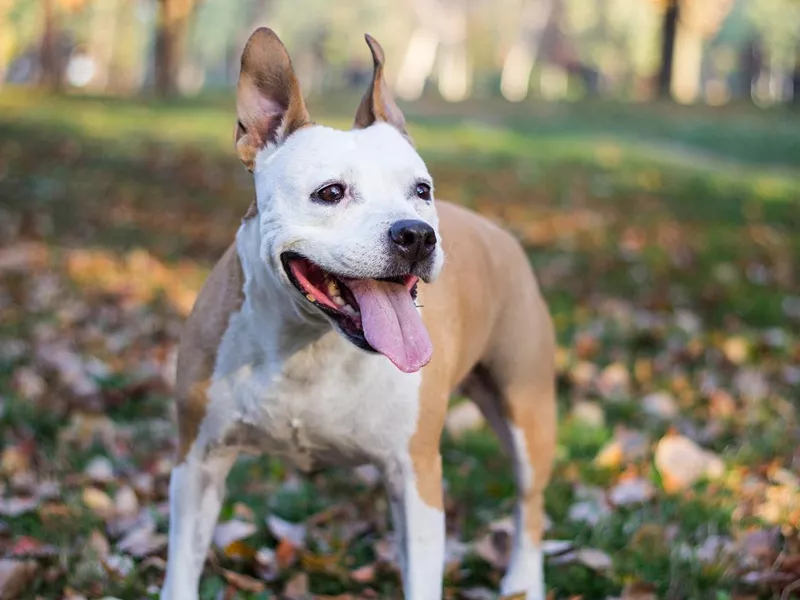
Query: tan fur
x,y
378,103
221,296
485,309
269,103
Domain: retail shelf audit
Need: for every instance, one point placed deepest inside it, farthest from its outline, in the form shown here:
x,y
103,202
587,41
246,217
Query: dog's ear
x,y
269,104
378,103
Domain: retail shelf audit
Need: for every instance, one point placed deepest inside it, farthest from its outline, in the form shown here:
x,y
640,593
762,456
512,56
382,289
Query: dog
x,y
334,329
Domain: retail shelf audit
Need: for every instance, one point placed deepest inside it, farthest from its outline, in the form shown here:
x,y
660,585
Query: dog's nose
x,y
414,239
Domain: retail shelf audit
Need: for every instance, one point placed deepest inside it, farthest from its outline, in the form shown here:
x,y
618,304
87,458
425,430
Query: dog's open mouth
x,y
378,315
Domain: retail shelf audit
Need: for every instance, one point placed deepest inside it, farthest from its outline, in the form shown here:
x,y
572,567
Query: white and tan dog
x,y
336,326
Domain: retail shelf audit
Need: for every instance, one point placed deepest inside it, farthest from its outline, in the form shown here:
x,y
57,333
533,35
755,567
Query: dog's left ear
x,y
378,103
269,104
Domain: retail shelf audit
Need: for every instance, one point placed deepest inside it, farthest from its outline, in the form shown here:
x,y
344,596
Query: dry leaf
x,y
631,490
142,541
243,582
284,530
14,507
285,554
15,577
98,501
232,531
462,418
682,463
363,574
100,470
297,587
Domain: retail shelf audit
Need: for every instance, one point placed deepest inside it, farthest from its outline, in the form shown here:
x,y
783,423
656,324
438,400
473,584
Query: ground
x,y
666,240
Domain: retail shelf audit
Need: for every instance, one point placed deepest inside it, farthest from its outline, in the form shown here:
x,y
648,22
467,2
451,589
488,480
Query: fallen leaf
x,y
593,558
15,577
297,587
463,418
232,531
98,501
142,541
126,503
266,564
15,459
681,463
285,554
14,507
631,490
661,405
243,582
589,413
364,574
119,565
638,590
100,470
284,530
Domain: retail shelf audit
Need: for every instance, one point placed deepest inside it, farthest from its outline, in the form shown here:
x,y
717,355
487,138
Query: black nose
x,y
414,239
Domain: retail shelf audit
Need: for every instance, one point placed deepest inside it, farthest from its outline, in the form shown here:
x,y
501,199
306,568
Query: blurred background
x,y
709,51
645,152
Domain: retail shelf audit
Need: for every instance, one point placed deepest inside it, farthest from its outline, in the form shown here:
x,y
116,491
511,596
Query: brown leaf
x,y
638,590
285,554
363,574
682,462
243,582
297,587
15,577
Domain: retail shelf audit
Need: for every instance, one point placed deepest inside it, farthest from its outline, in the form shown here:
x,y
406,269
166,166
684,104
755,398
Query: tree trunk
x,y
172,26
50,73
669,33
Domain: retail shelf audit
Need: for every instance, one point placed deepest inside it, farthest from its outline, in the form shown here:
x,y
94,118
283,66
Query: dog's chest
x,y
330,404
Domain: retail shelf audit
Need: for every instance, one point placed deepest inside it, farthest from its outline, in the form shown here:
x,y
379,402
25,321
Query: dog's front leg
x,y
415,495
197,489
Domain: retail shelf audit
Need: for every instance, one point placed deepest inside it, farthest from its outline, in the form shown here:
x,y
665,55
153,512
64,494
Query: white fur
x,y
525,571
285,382
420,536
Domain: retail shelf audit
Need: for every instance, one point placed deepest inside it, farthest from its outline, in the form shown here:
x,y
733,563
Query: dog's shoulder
x,y
220,297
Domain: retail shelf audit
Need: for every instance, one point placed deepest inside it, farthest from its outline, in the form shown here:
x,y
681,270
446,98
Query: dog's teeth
x,y
333,288
310,297
349,310
339,301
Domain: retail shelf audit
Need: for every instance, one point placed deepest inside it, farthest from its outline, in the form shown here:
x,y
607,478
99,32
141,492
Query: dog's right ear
x,y
269,104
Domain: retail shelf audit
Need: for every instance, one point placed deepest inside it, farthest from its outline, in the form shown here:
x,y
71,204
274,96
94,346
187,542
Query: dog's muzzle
x,y
413,243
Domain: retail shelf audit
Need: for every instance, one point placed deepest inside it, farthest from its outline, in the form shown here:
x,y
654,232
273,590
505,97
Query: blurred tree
x,y
50,71
669,29
535,15
171,30
686,25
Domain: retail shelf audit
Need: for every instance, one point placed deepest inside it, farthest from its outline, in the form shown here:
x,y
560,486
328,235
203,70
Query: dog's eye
x,y
330,193
423,191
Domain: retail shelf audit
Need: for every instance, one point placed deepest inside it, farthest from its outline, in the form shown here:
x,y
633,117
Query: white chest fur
x,y
328,403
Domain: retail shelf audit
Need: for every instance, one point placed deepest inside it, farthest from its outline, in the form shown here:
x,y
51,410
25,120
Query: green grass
x,y
634,217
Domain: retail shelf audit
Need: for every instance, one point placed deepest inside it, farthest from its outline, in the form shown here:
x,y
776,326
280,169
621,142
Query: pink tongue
x,y
392,324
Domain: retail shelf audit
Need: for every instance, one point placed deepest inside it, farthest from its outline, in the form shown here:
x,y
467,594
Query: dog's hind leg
x,y
197,489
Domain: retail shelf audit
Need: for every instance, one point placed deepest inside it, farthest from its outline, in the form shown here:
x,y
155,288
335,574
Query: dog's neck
x,y
279,324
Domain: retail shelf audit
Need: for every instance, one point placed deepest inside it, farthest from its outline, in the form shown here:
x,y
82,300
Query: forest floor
x,y
667,243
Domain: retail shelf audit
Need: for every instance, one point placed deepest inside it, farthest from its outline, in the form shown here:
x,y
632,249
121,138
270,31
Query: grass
x,y
666,241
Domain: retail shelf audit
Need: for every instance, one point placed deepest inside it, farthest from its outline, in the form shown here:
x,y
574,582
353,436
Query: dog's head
x,y
347,220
